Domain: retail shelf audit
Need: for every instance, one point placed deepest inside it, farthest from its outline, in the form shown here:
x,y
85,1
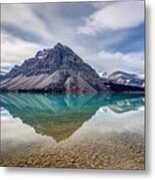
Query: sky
x,y
108,35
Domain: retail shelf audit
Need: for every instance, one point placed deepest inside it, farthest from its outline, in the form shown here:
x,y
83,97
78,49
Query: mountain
x,y
3,71
122,81
58,69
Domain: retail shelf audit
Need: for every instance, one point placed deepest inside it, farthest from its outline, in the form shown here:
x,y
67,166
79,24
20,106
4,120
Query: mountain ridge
x,y
60,69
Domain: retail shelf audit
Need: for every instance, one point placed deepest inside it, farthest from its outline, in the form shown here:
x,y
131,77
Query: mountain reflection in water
x,y
60,115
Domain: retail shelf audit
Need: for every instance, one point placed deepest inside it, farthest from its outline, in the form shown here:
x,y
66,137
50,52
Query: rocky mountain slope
x,y
58,69
124,78
121,81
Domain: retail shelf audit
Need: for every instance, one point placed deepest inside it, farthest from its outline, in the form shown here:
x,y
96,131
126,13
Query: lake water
x,y
72,131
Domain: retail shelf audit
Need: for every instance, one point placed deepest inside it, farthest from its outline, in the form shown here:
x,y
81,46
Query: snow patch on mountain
x,y
123,78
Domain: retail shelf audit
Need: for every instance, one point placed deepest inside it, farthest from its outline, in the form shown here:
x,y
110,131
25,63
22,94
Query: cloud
x,y
132,62
15,50
61,24
23,17
30,19
116,16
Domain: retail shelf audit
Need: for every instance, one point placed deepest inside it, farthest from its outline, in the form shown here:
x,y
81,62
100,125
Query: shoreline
x,y
120,152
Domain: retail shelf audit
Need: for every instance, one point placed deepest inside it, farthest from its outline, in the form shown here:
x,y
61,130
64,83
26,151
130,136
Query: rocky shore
x,y
119,152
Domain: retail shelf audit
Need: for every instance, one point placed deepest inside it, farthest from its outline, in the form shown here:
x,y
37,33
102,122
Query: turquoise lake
x,y
72,131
